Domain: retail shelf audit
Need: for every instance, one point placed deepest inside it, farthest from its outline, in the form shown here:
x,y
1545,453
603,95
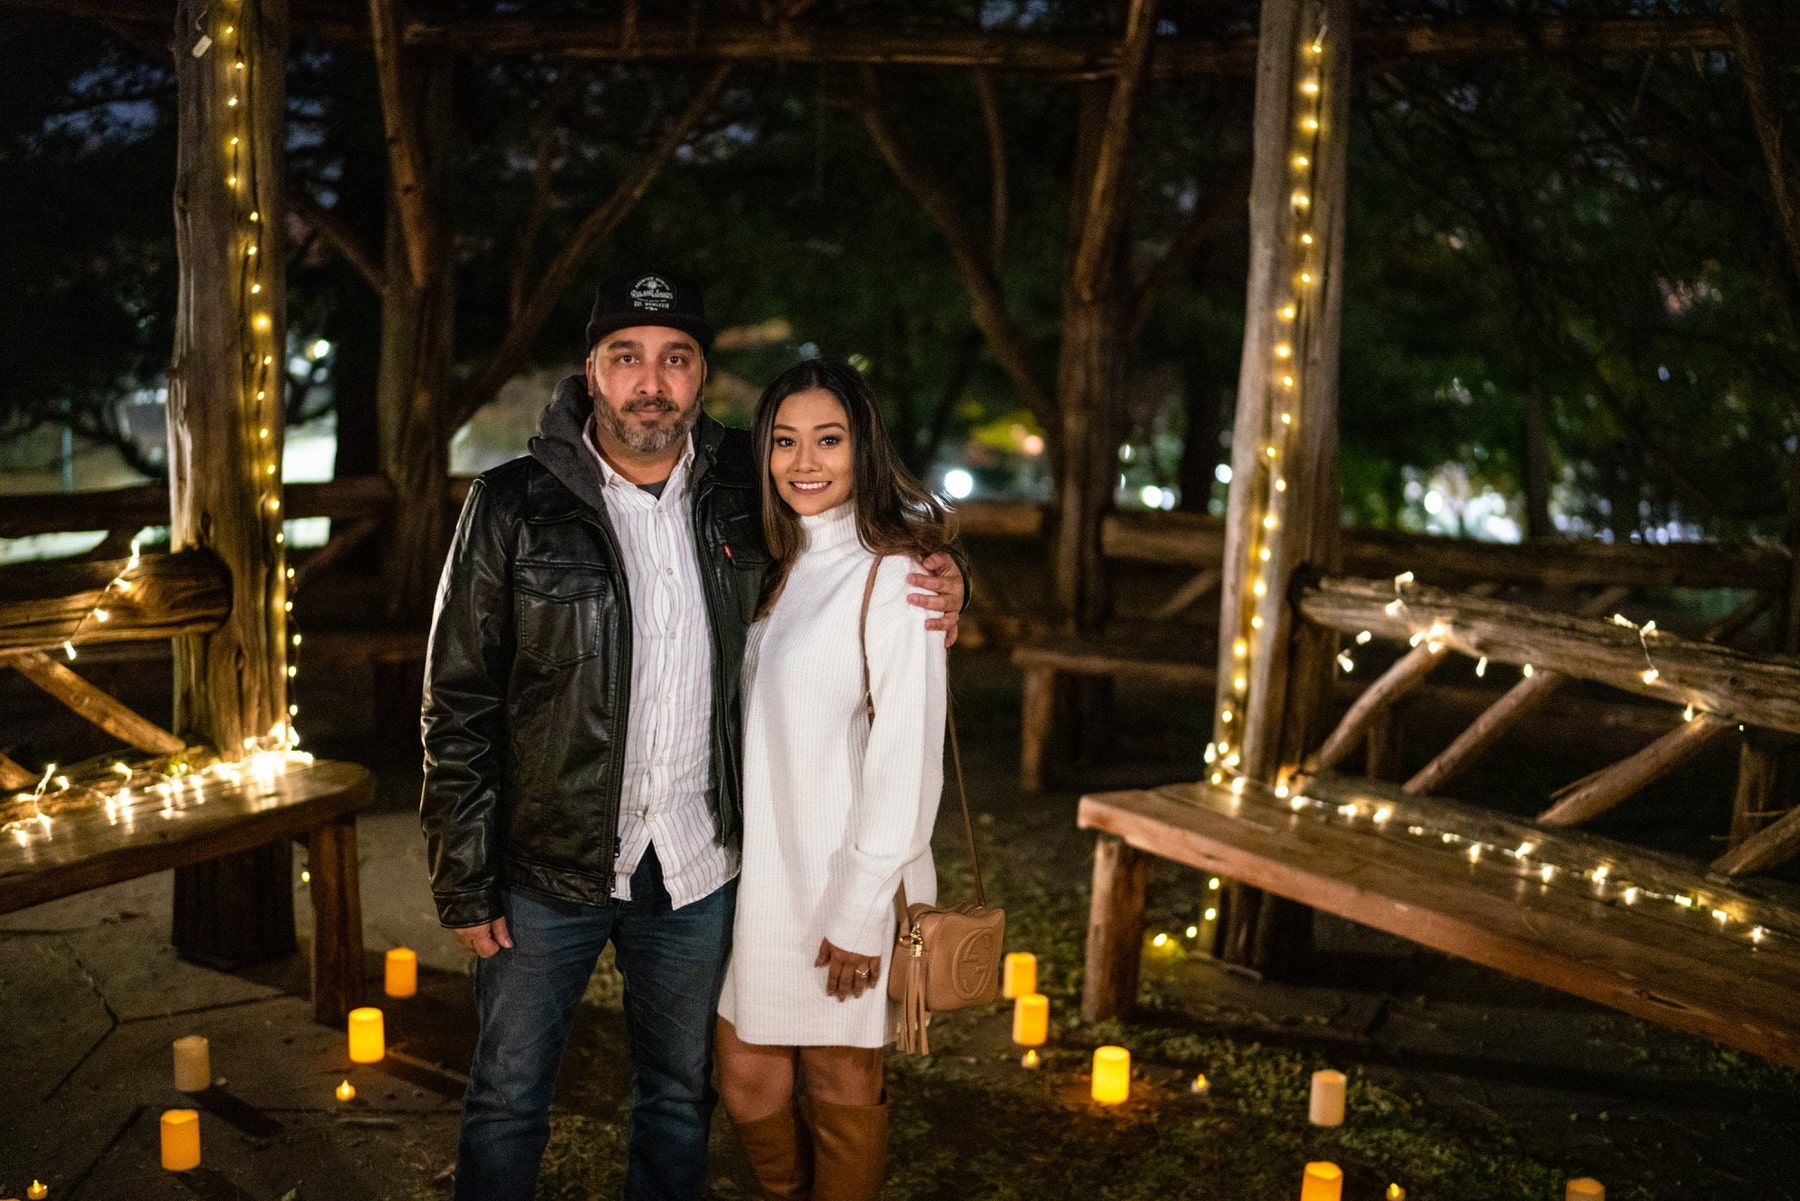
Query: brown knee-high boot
x,y
849,1150
779,1153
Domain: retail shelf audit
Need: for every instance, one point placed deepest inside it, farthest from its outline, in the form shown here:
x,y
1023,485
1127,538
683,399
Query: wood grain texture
x,y
1657,962
100,708
1514,706
1593,795
224,481
1406,674
1115,935
1735,687
1768,848
89,850
337,945
45,605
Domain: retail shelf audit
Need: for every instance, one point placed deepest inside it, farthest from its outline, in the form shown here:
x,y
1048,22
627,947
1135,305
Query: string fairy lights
x,y
259,392
99,611
121,792
1288,324
1572,868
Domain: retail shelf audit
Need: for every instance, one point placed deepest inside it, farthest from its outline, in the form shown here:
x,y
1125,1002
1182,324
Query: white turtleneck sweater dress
x,y
838,810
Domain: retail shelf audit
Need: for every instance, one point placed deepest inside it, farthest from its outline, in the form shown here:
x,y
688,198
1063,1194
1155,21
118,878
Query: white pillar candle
x,y
193,1064
1327,1108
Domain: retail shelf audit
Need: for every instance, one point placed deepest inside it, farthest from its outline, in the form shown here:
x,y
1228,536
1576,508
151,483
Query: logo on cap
x,y
653,293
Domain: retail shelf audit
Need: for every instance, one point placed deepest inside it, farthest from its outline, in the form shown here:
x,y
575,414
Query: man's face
x,y
645,381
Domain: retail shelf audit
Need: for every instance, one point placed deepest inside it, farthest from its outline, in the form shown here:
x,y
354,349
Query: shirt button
x,y
668,571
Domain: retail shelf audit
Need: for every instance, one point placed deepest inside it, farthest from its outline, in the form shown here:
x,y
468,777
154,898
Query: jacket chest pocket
x,y
560,611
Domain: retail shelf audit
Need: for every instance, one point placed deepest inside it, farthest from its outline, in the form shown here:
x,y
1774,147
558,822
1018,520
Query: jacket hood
x,y
558,443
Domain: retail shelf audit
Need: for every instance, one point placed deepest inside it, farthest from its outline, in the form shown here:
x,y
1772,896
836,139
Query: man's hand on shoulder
x,y
487,939
943,592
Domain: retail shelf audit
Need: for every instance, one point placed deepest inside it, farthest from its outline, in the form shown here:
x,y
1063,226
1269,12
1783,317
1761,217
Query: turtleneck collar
x,y
834,527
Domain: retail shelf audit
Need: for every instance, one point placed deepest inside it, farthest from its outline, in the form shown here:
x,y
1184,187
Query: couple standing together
x,y
648,721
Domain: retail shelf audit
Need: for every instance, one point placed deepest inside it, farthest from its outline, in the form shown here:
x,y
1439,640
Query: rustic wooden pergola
x,y
222,591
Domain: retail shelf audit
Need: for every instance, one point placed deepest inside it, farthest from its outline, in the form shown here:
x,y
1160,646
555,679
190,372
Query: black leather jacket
x,y
528,673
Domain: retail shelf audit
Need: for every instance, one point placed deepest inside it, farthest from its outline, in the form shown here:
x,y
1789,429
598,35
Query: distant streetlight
x,y
958,483
319,349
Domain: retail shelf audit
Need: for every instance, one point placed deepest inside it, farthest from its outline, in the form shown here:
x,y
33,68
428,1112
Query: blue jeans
x,y
673,962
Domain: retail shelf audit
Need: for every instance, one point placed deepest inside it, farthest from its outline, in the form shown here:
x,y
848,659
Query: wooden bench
x,y
85,847
1648,955
1183,658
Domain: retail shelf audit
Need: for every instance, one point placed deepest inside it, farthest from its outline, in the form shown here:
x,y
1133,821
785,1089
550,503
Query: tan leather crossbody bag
x,y
945,957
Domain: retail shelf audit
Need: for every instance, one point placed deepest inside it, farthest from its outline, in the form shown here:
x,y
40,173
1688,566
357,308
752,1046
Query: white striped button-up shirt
x,y
668,739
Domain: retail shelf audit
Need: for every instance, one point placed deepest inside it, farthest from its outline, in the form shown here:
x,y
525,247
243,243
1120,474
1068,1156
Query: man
x,y
583,737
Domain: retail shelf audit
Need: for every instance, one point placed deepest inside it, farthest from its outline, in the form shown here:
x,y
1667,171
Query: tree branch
x,y
996,148
542,197
1765,111
1098,237
523,333
1204,224
334,229
986,304
406,158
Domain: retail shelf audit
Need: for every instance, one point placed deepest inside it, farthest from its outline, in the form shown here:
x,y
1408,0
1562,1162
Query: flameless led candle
x,y
346,1091
180,1139
402,978
1322,1182
1112,1075
1031,1019
1020,979
1585,1188
38,1190
368,1038
193,1064
1327,1108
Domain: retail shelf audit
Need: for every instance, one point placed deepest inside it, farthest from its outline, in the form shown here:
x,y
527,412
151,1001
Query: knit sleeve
x,y
902,772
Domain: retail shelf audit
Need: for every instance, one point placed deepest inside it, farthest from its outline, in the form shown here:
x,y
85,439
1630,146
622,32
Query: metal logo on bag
x,y
653,293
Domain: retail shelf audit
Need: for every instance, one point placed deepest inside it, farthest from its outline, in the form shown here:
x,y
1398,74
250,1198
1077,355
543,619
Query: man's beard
x,y
645,440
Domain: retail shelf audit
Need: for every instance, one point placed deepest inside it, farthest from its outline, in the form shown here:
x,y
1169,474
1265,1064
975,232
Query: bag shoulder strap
x,y
962,789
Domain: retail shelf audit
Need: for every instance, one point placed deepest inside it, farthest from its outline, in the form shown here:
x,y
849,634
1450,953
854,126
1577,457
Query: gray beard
x,y
644,441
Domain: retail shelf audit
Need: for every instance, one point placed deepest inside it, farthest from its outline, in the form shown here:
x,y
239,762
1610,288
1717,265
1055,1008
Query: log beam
x,y
169,596
89,702
1519,702
1730,685
1407,673
1589,798
13,776
1768,848
1081,56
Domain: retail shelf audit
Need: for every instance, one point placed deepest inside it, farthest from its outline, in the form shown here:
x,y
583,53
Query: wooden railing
x,y
48,610
1715,688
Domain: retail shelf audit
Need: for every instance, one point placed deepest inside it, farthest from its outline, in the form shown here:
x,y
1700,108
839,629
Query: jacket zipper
x,y
622,688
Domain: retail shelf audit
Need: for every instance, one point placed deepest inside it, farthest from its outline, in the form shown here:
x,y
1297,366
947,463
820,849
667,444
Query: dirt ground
x,y
1466,1085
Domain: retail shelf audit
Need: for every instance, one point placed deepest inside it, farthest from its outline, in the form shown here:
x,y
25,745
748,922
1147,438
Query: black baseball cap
x,y
649,298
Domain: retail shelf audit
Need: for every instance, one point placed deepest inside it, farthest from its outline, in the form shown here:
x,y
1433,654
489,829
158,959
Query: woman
x,y
838,804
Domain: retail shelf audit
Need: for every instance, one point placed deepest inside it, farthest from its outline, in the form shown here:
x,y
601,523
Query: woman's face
x,y
809,460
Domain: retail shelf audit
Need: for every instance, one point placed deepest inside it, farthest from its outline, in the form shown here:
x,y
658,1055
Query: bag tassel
x,y
910,1031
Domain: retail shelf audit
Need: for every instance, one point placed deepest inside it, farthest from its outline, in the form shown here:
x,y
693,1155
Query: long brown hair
x,y
895,513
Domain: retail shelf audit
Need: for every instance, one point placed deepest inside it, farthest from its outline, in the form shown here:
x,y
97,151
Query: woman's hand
x,y
847,974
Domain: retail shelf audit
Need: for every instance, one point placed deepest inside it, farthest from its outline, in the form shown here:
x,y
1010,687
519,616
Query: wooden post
x,y
1091,361
225,436
417,318
337,950
1281,519
1115,930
